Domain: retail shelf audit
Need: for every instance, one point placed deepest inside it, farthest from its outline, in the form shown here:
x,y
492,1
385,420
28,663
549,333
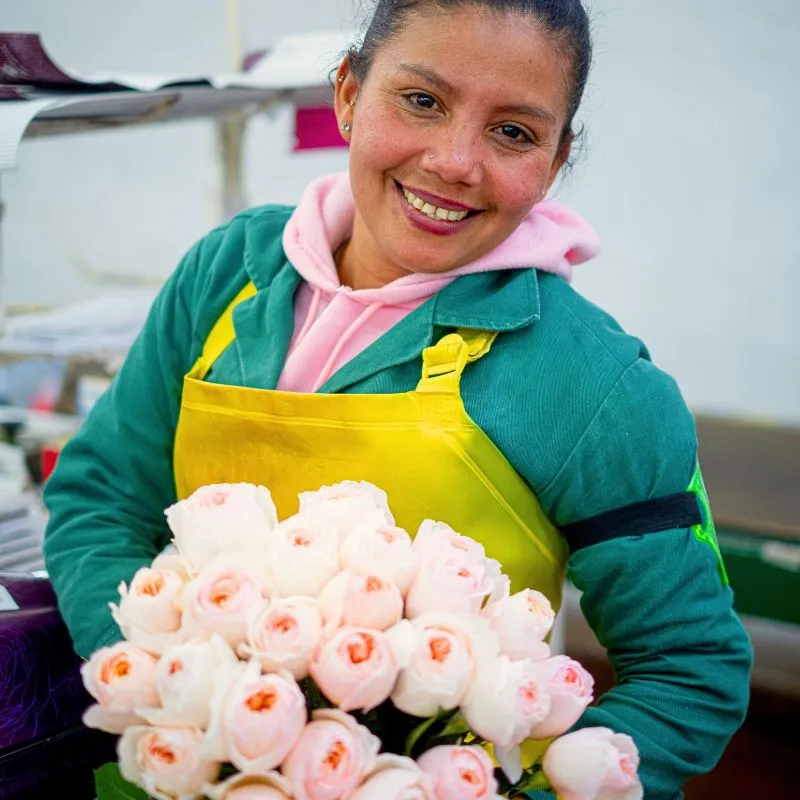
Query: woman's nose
x,y
454,156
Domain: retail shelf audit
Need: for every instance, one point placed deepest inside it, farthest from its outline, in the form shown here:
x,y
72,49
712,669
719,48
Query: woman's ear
x,y
345,90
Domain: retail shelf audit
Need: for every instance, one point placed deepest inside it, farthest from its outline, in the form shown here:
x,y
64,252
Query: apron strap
x,y
222,334
443,363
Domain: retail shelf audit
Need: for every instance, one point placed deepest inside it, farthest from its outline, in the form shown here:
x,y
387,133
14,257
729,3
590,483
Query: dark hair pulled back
x,y
565,20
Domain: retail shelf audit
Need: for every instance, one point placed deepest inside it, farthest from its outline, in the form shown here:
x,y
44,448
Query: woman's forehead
x,y
472,51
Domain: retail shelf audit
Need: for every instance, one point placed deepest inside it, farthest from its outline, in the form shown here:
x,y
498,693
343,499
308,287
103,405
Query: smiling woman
x,y
411,324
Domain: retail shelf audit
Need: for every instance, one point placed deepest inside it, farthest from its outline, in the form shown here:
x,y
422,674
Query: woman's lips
x,y
435,200
423,222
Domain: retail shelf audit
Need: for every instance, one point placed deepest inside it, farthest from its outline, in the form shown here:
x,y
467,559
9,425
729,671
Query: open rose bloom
x,y
264,659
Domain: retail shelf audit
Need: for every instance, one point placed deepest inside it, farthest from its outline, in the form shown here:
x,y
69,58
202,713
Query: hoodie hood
x,y
551,237
334,323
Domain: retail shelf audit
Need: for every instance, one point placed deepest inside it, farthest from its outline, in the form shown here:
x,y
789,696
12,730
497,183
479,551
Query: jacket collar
x,y
497,301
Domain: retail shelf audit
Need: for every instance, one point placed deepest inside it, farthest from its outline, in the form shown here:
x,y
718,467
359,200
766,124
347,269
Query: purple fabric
x,y
41,693
24,60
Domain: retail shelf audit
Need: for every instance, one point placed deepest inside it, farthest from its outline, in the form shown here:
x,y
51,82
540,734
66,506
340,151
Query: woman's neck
x,y
359,266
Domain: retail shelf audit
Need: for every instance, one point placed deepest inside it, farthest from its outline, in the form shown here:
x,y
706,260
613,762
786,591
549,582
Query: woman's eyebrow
x,y
429,76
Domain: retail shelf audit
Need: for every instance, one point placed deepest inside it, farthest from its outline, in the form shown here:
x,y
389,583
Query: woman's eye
x,y
515,134
421,100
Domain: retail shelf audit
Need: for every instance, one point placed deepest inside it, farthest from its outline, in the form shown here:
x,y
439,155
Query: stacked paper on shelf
x,y
103,325
40,97
301,60
22,523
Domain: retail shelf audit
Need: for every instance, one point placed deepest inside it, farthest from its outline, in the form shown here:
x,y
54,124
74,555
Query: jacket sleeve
x,y
656,601
114,477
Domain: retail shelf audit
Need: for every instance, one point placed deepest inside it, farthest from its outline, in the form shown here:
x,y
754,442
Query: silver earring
x,y
346,127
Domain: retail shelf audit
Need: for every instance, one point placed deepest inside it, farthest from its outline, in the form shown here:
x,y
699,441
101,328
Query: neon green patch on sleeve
x,y
706,532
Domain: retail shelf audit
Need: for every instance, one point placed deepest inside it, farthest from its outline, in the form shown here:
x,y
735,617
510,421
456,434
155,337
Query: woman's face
x,y
455,136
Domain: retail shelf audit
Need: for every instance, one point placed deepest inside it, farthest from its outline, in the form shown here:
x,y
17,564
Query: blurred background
x,y
689,169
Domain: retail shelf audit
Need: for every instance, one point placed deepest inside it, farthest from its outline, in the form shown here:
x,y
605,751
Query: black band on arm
x,y
650,516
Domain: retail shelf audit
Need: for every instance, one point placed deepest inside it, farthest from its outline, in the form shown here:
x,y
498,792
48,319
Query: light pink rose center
x,y
116,667
529,697
628,768
534,605
283,626
358,648
262,700
160,751
463,575
388,536
373,584
152,585
336,754
175,667
302,540
212,499
471,774
223,591
440,648
570,679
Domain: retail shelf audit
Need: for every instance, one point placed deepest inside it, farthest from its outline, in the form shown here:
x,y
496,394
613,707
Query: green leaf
x,y
110,785
421,729
532,780
456,726
314,697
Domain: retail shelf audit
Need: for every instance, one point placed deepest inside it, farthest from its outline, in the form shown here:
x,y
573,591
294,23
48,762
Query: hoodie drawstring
x,y
357,323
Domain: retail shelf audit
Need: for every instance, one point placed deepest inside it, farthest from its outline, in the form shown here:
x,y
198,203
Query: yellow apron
x,y
420,447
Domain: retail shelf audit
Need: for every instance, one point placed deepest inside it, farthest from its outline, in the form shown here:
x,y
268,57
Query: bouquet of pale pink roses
x,y
328,657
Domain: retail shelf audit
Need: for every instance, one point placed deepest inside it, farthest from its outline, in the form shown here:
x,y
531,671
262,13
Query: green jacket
x,y
572,401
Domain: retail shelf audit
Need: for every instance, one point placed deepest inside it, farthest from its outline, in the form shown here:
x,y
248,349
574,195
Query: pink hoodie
x,y
334,323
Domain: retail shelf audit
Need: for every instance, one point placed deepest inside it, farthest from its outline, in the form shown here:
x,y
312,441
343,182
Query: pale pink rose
x,y
267,785
438,654
187,677
304,552
436,538
571,689
452,583
284,636
222,518
460,773
332,756
396,778
346,504
381,549
121,678
506,699
148,613
593,764
356,668
220,597
165,762
361,599
521,622
258,721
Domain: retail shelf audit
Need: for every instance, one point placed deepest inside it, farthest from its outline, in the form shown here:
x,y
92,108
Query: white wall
x,y
691,174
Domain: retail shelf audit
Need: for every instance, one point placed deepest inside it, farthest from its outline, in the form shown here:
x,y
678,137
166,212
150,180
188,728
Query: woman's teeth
x,y
433,212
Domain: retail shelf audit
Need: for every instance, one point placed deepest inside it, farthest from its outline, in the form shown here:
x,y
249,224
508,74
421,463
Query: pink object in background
x,y
316,128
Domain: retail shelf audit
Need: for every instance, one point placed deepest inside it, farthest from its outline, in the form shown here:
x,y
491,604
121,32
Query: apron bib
x,y
420,447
